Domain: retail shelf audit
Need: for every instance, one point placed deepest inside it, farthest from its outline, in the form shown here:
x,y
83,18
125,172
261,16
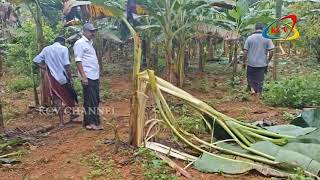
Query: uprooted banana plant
x,y
243,134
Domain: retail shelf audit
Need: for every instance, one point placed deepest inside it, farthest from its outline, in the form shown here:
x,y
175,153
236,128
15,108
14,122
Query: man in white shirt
x,y
89,71
57,67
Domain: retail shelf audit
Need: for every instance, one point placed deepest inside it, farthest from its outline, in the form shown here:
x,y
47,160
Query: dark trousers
x,y
91,100
255,77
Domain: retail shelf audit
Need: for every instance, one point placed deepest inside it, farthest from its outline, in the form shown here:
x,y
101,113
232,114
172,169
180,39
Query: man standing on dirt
x,y
88,67
57,69
256,50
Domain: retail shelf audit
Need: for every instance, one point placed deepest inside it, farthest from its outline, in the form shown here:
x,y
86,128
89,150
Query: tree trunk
x,y
202,58
1,119
210,49
44,89
275,61
225,49
98,44
169,62
180,64
235,62
148,53
1,65
289,48
230,52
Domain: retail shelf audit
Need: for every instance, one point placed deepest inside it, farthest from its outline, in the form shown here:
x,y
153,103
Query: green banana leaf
x,y
310,118
290,130
234,165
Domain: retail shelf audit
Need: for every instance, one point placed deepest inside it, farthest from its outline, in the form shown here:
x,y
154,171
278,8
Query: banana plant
x,y
174,18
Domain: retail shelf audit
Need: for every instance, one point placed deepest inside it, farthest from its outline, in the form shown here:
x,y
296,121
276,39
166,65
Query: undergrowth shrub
x,y
297,91
20,84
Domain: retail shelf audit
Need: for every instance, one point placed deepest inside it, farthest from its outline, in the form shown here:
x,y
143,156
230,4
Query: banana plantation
x,y
160,89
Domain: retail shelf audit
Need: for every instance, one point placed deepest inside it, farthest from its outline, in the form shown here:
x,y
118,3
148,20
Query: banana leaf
x,y
310,118
290,130
237,165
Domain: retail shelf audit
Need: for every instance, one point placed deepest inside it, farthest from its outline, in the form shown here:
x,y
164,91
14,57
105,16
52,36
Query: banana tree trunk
x,y
169,61
98,44
230,52
289,48
235,62
1,65
202,58
148,53
277,50
180,64
210,49
138,100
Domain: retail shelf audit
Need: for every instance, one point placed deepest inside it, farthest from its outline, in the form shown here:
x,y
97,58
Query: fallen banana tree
x,y
244,134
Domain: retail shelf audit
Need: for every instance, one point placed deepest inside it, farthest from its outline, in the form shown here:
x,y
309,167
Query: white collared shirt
x,y
56,58
84,52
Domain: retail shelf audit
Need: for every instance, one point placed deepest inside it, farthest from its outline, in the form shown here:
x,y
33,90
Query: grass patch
x,y
155,168
100,168
20,84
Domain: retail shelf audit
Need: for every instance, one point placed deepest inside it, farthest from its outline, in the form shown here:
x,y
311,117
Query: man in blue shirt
x,y
57,67
256,50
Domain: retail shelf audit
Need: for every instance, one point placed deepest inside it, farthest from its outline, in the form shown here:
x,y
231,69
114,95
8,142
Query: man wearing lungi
x,y
256,50
57,67
88,67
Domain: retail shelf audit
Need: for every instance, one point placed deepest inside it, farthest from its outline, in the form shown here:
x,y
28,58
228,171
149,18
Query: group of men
x,y
257,49
54,59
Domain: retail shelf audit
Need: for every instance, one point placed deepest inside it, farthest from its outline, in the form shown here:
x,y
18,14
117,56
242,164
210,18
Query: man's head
x,y
89,31
259,27
60,40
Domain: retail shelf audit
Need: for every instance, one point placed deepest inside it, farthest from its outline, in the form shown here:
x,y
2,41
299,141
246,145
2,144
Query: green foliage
x,y
105,90
21,54
20,84
299,175
78,87
155,168
100,168
190,121
297,91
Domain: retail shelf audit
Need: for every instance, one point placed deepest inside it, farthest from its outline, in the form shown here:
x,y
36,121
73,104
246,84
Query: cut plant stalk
x,y
238,131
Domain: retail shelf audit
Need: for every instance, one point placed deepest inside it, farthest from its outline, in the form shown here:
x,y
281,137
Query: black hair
x,y
259,26
60,40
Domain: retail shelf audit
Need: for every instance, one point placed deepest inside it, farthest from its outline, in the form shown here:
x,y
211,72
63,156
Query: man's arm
x,y
270,55
270,49
78,52
66,64
84,78
244,58
38,60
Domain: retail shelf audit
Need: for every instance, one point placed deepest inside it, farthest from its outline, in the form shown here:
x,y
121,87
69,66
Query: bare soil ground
x,y
61,153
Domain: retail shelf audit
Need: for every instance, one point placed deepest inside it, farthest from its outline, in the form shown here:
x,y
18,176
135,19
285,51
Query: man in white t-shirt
x,y
89,71
57,69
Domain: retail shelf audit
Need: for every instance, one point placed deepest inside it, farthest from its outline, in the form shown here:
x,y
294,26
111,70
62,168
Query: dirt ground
x,y
59,155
